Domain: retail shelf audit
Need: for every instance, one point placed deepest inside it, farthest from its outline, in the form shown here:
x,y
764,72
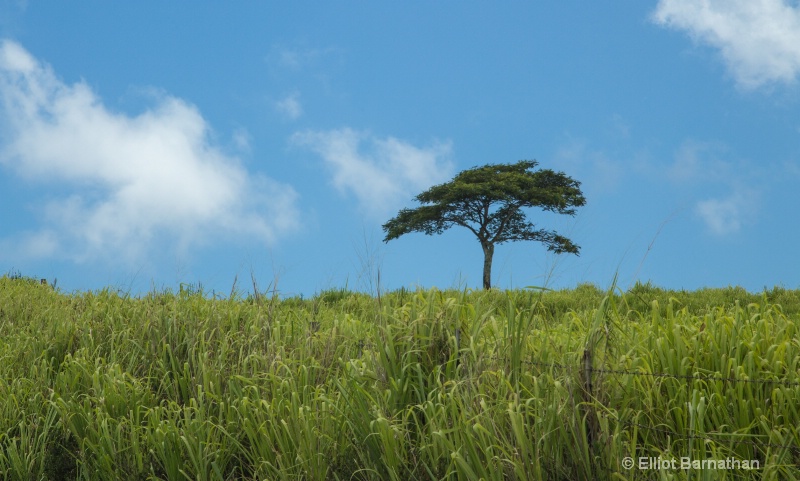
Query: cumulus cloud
x,y
382,173
758,39
130,179
290,106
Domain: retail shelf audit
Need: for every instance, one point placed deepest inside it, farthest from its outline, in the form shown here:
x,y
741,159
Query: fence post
x,y
458,346
589,411
588,390
689,417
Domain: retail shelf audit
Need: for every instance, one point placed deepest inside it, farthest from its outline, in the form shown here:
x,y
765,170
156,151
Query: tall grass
x,y
416,385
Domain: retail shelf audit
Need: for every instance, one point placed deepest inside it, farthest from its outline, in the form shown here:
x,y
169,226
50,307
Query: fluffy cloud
x,y
759,39
383,173
129,179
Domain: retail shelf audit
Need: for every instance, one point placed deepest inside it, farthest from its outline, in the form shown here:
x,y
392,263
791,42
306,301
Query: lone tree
x,y
488,201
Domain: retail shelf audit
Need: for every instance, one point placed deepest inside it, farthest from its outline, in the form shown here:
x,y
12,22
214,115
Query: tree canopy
x,y
488,201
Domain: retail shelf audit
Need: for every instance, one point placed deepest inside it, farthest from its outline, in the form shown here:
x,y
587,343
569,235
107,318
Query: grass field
x,y
407,385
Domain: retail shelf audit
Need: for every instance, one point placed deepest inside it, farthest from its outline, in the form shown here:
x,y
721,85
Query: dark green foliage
x,y
333,296
489,201
61,457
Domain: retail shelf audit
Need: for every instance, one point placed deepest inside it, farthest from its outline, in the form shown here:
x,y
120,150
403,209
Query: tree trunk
x,y
488,252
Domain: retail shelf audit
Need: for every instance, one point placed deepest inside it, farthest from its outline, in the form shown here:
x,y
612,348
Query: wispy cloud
x,y
598,171
382,173
711,167
620,126
131,179
697,161
758,39
10,13
241,139
726,215
300,57
290,106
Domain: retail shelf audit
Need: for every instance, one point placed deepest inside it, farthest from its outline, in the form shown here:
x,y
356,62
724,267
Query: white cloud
x,y
132,178
723,216
759,39
383,173
290,106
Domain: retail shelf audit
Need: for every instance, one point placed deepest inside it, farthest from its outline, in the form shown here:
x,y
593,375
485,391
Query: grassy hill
x,y
425,385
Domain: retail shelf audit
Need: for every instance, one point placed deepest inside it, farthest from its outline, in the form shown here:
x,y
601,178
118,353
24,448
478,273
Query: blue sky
x,y
151,144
